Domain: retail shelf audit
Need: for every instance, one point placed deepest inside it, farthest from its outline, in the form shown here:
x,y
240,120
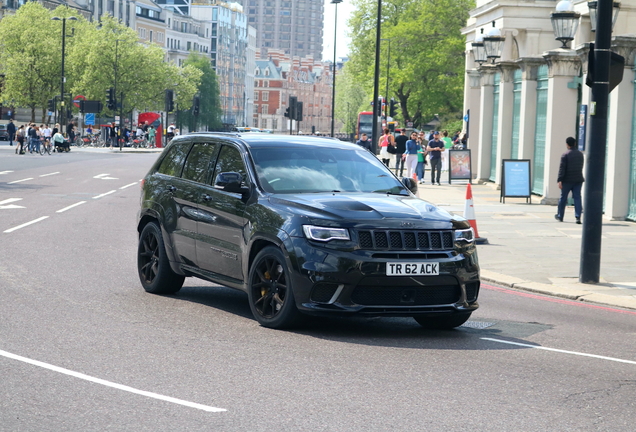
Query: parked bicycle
x,y
45,147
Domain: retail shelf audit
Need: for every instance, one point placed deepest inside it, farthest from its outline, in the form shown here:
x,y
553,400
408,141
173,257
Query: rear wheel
x,y
270,290
446,322
152,262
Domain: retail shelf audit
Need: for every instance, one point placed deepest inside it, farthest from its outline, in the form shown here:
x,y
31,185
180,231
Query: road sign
x,y
76,100
409,124
466,118
89,118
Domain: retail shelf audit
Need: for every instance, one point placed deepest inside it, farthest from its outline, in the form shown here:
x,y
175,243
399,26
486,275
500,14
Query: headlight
x,y
325,234
465,235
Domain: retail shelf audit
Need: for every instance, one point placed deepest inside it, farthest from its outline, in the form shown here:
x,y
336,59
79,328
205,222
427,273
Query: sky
x,y
345,9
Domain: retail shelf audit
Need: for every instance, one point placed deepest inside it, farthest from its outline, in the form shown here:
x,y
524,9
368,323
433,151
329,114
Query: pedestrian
x,y
421,158
11,131
410,155
400,149
47,133
70,131
58,140
435,149
152,132
448,144
19,149
384,142
170,132
364,141
570,179
113,136
34,139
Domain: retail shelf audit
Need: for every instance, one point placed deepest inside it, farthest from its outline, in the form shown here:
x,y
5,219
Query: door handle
x,y
172,189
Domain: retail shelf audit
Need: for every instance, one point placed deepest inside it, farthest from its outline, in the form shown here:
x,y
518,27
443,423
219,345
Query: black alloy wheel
x,y
445,322
270,292
152,262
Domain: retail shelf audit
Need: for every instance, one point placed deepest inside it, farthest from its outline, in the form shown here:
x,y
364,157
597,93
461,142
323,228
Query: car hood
x,y
361,207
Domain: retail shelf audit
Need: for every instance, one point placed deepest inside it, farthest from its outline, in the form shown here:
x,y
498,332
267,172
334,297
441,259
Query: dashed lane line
x,y
128,185
110,384
104,194
10,230
70,207
100,175
19,181
49,174
561,351
5,172
10,200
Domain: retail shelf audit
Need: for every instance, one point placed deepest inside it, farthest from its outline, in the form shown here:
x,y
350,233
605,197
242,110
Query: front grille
x,y
323,292
405,240
366,295
472,289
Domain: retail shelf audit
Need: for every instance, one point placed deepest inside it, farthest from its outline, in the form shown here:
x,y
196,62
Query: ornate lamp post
x,y
493,43
565,22
479,52
593,7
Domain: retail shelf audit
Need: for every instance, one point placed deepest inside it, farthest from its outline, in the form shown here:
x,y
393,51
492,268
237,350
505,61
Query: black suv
x,y
304,225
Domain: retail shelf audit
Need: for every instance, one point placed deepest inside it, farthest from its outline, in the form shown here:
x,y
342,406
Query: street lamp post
x,y
333,88
376,78
63,78
388,64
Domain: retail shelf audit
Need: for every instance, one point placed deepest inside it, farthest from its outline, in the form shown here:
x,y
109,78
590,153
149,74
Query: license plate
x,y
412,269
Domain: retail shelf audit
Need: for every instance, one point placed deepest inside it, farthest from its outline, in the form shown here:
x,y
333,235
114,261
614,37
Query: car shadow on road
x,y
394,332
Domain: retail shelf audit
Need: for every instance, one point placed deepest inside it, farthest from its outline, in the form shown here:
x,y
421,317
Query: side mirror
x,y
230,182
410,184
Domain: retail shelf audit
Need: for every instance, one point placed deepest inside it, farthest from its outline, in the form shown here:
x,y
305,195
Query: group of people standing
x,y
30,137
412,152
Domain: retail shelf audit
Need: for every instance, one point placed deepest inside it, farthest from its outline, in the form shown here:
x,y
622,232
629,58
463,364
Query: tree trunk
x,y
32,113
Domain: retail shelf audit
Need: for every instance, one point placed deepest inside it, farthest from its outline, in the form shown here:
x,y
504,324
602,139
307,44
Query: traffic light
x,y
110,98
51,105
299,111
169,100
195,106
287,112
293,101
393,108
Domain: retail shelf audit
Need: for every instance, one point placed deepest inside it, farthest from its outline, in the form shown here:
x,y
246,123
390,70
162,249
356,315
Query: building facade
x,y
277,77
292,26
526,103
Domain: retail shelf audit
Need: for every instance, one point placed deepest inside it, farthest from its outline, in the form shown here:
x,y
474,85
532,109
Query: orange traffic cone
x,y
469,214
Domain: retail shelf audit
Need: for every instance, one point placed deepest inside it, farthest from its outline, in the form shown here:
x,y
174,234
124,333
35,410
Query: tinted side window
x,y
173,162
230,161
197,165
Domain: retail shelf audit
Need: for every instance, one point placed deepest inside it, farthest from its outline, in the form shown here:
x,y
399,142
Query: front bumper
x,y
330,281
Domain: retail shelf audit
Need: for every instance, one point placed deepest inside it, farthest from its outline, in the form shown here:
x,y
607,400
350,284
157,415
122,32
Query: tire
x,y
42,149
155,273
445,322
270,291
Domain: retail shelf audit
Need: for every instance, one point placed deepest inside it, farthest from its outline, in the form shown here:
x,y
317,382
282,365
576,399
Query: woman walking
x,y
411,154
20,136
385,141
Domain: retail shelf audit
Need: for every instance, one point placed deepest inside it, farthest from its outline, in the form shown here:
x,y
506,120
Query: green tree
x,y
210,106
351,98
30,57
427,54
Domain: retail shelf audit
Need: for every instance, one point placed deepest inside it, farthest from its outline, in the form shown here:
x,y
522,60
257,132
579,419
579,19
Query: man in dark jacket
x,y
400,148
570,179
11,131
364,142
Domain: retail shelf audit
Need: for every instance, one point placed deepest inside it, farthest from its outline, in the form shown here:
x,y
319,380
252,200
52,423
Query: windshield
x,y
366,124
307,169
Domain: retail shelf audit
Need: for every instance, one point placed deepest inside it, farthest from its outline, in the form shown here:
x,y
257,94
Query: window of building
x,y
265,96
150,38
264,109
256,96
264,123
275,124
266,71
189,46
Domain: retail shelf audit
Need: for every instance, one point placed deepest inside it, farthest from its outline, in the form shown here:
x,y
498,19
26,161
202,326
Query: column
x,y
561,121
619,134
474,106
528,112
485,123
504,134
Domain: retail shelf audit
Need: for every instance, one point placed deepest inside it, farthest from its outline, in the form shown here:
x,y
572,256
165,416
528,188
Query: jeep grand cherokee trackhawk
x,y
304,225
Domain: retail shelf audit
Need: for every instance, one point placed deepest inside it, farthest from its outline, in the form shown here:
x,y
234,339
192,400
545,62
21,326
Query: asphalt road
x,y
84,348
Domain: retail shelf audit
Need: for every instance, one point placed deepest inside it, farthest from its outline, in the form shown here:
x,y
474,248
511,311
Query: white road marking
x,y
110,384
10,207
562,351
5,172
123,187
18,181
100,175
104,194
105,177
50,174
10,200
26,224
70,207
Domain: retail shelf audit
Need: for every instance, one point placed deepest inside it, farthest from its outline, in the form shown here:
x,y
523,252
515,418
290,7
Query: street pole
x,y
388,64
62,107
595,172
333,88
376,79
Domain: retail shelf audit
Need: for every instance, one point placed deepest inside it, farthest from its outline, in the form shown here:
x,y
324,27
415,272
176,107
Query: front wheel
x,y
152,263
445,322
270,291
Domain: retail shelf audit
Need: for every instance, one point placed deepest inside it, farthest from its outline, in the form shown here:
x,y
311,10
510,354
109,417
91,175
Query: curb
x,y
575,292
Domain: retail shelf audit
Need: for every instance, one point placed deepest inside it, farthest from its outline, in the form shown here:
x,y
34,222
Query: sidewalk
x,y
529,250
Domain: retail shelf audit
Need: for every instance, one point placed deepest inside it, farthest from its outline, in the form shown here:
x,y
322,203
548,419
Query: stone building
x,y
525,104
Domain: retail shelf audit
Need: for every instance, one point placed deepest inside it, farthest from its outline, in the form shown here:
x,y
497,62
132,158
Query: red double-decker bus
x,y
365,124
